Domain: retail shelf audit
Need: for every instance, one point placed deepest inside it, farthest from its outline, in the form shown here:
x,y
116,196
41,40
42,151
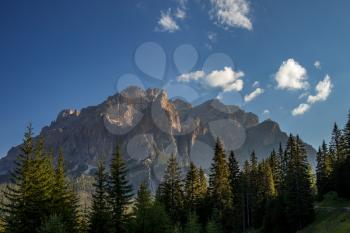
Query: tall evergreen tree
x,y
237,197
65,200
192,189
16,196
120,192
100,218
171,190
203,184
346,137
336,145
219,183
324,170
275,162
142,209
234,174
192,225
299,198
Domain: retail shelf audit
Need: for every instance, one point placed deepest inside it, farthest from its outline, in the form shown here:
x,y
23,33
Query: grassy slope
x,y
332,216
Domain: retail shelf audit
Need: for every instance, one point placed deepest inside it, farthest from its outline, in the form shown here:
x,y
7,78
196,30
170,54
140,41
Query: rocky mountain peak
x,y
67,113
149,128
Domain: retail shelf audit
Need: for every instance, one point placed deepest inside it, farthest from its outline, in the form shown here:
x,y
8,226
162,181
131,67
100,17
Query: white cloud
x,y
323,90
266,112
303,95
291,76
226,79
212,36
193,76
256,84
182,3
231,13
301,109
167,22
317,64
253,94
180,13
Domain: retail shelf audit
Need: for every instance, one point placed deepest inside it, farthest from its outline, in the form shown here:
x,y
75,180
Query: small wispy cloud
x,y
317,64
180,13
266,113
253,94
231,13
212,37
301,109
323,90
166,22
256,84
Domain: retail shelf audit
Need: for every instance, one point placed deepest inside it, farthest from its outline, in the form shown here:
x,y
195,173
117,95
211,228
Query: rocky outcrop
x,y
149,128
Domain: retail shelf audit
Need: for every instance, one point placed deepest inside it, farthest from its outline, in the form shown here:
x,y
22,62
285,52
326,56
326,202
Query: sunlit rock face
x,y
148,127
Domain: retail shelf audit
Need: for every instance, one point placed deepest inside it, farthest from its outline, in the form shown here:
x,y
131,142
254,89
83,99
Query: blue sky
x,y
72,54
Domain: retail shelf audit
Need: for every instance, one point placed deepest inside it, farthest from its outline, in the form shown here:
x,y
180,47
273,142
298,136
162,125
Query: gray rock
x,y
149,128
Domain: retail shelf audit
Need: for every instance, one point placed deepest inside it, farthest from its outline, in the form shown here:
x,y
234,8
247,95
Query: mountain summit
x,y
149,127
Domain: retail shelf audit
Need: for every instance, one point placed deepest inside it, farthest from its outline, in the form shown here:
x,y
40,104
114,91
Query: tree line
x,y
333,163
272,195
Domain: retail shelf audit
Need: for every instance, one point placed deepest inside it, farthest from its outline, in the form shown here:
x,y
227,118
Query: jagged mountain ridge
x,y
149,128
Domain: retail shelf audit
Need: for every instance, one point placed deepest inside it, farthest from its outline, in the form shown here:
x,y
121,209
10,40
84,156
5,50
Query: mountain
x,y
148,128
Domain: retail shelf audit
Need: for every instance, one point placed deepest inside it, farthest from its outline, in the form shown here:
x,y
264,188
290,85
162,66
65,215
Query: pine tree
x,y
171,190
247,193
219,183
275,163
16,196
299,198
203,184
236,189
204,206
100,218
65,201
192,225
254,182
192,188
41,185
54,224
234,176
120,192
283,158
214,225
324,170
335,145
158,219
142,209
346,137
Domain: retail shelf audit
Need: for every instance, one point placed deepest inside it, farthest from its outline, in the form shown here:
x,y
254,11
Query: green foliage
x,y
54,224
192,188
158,219
324,170
299,200
100,218
219,183
171,190
142,209
65,200
213,227
120,192
192,225
35,193
329,221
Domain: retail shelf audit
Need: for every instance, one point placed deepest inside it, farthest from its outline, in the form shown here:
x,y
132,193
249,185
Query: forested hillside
x,y
276,194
